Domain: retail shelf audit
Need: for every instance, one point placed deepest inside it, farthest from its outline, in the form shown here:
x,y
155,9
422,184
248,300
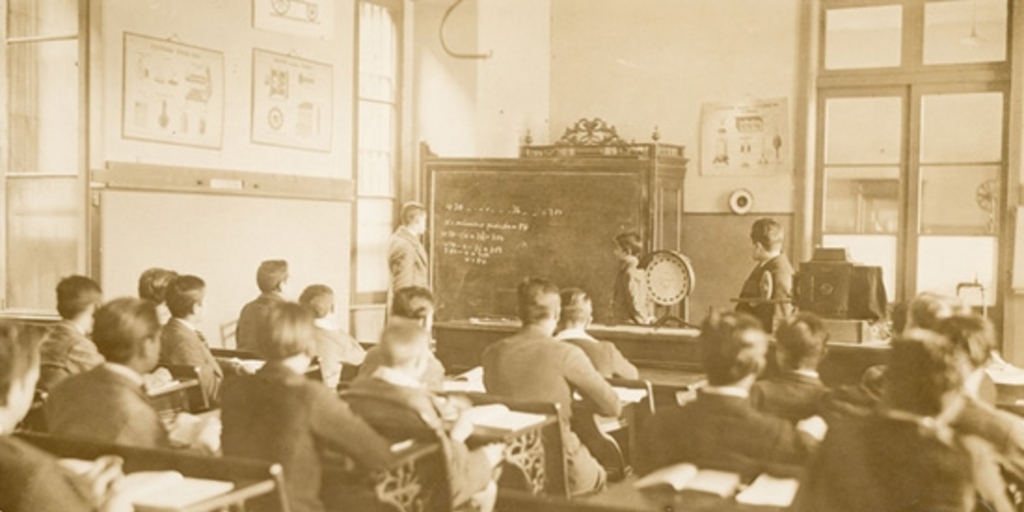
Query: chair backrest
x,y
238,470
555,469
227,333
398,422
196,398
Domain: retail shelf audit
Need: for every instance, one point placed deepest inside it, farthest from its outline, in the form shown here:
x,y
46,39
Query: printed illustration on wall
x,y
308,18
173,93
745,139
292,103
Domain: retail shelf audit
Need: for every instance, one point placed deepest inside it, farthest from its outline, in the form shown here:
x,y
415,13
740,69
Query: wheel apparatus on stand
x,y
669,280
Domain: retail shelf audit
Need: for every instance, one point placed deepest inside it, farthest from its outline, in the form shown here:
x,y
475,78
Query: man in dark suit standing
x,y
532,366
407,259
768,291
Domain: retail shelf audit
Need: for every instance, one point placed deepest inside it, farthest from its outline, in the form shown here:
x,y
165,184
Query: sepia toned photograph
x,y
512,256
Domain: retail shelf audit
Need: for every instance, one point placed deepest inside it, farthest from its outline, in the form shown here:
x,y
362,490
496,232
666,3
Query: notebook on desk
x,y
500,417
686,476
160,491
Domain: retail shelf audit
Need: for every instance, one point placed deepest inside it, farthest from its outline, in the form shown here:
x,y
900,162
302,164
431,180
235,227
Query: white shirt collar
x,y
124,371
397,377
733,391
186,323
326,324
807,373
574,334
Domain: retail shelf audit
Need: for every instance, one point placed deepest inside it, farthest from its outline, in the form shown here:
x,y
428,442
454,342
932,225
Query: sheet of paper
x,y
174,494
675,476
770,492
720,483
498,416
630,395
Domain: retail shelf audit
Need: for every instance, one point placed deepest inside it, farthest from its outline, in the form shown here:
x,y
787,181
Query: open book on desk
x,y
686,476
768,491
500,417
160,491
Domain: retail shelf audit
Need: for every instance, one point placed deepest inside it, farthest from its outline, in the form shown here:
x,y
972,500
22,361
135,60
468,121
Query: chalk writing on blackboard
x,y
476,234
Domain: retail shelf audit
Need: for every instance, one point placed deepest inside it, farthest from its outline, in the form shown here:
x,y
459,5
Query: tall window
x,y
44,193
911,141
377,156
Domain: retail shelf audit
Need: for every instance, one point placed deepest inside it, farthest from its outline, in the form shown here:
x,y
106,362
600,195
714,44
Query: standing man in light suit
x,y
407,259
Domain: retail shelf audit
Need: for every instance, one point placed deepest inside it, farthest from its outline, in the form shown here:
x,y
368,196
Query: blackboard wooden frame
x,y
659,169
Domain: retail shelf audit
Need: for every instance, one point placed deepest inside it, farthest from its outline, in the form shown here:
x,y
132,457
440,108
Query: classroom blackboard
x,y
489,228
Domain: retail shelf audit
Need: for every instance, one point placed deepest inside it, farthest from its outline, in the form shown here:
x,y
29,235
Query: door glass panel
x,y
863,37
42,238
960,199
41,18
373,235
862,200
43,107
965,31
944,262
377,148
960,128
877,250
863,130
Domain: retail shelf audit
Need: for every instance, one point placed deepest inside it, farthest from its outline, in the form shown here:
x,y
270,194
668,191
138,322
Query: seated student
x,y
532,366
973,339
577,313
721,429
280,416
252,320
796,391
152,285
182,343
905,457
32,480
405,350
413,304
927,310
334,348
108,403
67,349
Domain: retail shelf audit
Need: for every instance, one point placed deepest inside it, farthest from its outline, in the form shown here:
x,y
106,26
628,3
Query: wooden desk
x,y
461,343
174,398
412,484
622,497
526,450
252,479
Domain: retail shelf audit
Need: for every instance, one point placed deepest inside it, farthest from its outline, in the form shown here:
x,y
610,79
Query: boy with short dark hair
x,y
721,429
253,319
412,304
796,392
181,341
108,403
67,349
577,313
334,348
769,288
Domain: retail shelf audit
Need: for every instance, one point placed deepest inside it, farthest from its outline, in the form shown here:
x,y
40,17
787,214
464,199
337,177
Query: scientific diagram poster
x,y
308,18
750,138
173,93
292,103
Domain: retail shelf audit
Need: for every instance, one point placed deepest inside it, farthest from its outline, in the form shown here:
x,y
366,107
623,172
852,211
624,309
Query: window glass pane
x,y
947,261
863,130
373,234
962,127
965,31
878,250
43,108
863,37
42,238
378,53
376,148
862,200
28,18
959,199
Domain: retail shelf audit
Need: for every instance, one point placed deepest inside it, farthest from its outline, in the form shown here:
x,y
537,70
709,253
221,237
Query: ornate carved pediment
x,y
590,132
